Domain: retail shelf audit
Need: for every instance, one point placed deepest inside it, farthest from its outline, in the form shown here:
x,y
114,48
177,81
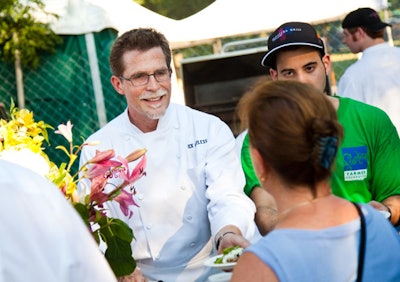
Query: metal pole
x,y
19,80
96,80
386,19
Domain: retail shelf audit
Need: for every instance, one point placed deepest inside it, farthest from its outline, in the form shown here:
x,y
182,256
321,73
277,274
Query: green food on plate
x,y
229,255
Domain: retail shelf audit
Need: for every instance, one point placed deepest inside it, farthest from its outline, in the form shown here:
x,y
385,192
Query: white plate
x,y
220,277
223,266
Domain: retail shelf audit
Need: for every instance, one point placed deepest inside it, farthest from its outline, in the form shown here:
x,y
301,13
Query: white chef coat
x,y
193,187
42,238
375,80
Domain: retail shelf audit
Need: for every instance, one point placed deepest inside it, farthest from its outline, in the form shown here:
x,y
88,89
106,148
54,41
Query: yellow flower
x,y
22,131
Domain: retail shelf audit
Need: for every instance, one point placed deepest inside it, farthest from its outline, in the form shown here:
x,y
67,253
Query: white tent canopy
x,y
237,17
222,18
83,16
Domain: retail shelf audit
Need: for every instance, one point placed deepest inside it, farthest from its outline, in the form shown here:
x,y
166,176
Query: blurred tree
x,y
175,9
394,4
23,37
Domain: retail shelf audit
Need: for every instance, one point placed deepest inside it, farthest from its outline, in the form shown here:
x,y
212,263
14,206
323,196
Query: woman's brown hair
x,y
294,127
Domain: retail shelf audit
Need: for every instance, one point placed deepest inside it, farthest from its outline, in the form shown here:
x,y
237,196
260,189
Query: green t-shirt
x,y
368,161
247,165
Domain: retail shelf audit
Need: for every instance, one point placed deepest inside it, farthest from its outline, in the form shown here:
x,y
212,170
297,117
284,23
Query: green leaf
x,y
119,256
117,235
115,227
83,212
61,147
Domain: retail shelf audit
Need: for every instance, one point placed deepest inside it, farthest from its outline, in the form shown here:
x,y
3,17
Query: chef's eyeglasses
x,y
143,78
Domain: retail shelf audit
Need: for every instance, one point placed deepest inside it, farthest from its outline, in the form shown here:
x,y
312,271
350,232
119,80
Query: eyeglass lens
x,y
143,78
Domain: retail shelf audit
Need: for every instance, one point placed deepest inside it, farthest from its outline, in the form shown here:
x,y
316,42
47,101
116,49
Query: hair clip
x,y
329,149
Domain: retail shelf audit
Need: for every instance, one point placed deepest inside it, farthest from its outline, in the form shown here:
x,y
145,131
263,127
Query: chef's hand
x,y
230,236
136,276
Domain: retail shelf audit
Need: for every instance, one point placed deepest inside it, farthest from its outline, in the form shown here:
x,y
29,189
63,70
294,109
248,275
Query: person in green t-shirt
x,y
367,165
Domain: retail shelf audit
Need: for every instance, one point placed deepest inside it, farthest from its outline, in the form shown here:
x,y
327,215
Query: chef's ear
x,y
117,83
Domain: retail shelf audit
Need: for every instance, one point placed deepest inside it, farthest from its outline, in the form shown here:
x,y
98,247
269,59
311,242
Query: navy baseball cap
x,y
291,34
364,17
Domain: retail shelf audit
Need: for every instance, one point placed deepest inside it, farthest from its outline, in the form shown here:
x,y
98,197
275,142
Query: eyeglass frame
x,y
148,77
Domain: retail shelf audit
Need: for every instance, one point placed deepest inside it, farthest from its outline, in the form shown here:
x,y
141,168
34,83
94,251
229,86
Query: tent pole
x,y
386,19
19,80
96,80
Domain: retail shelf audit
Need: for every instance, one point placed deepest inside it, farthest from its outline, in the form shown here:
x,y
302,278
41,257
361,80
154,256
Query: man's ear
x,y
361,31
116,83
326,60
273,73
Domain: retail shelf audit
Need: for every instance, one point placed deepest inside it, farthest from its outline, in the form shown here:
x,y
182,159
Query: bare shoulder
x,y
250,268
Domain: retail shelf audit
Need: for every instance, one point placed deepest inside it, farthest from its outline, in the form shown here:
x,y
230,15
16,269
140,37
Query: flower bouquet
x,y
21,140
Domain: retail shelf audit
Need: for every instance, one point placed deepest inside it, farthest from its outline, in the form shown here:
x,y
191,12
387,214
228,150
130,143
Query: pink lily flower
x,y
102,169
137,172
97,191
125,200
102,156
102,163
65,130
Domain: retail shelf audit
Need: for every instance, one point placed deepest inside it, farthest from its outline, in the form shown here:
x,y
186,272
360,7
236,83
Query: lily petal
x,y
102,156
137,172
100,169
65,130
97,190
125,200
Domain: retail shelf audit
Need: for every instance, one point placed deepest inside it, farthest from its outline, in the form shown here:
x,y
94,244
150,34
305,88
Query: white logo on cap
x,y
284,31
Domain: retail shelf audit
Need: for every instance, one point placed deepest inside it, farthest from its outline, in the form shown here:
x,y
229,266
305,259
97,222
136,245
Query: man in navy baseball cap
x,y
291,34
364,17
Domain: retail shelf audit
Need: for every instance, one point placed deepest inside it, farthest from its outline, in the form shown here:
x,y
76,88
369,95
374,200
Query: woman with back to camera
x,y
294,136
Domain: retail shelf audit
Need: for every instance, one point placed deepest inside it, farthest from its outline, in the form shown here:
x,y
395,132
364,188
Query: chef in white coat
x,y
191,200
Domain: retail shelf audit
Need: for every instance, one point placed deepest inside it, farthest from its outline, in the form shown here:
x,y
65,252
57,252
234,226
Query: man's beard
x,y
159,112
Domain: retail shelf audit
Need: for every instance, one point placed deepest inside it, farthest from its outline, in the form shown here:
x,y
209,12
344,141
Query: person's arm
x,y
385,185
392,205
251,268
266,211
229,209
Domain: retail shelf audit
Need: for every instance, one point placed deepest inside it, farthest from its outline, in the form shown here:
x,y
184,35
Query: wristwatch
x,y
217,243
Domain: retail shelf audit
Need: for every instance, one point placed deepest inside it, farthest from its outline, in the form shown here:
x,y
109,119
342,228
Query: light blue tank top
x,y
331,254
